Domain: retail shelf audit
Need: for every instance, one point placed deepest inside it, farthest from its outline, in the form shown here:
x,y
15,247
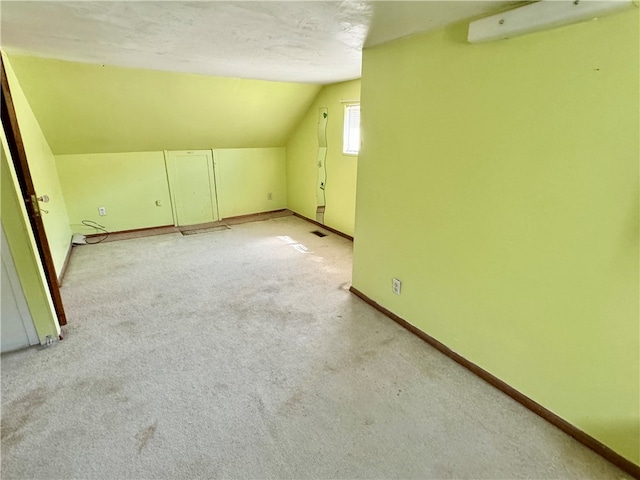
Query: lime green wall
x,y
86,108
43,172
126,184
246,176
302,152
24,251
499,182
129,184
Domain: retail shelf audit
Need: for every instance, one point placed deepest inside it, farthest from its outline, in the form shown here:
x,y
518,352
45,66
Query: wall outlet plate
x,y
102,211
396,286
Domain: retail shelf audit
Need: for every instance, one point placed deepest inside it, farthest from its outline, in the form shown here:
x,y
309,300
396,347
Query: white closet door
x,y
193,186
17,330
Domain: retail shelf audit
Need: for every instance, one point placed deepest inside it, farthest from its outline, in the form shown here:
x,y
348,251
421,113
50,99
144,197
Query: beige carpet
x,y
240,354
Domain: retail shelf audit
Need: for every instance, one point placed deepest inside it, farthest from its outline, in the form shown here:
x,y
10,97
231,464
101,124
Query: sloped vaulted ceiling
x,y
87,108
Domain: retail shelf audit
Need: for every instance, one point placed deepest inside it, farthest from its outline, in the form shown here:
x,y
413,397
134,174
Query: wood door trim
x,y
557,421
27,190
136,230
65,265
322,225
250,216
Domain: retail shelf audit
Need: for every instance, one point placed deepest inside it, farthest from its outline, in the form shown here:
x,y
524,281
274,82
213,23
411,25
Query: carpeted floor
x,y
240,353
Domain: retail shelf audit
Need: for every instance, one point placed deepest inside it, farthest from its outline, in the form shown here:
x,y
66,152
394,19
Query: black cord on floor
x,y
97,226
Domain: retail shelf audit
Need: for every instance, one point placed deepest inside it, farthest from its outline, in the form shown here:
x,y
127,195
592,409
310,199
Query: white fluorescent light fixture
x,y
541,15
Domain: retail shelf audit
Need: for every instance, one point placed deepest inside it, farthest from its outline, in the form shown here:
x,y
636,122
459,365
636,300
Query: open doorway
x,y
18,160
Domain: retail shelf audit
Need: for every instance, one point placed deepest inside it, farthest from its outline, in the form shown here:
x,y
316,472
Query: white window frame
x,y
351,138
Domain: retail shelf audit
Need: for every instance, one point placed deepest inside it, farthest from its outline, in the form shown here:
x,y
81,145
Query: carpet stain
x,y
271,289
271,426
329,368
145,435
368,354
387,341
260,405
98,387
294,400
126,324
359,360
18,414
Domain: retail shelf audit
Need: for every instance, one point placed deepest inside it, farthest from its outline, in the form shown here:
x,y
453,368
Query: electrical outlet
x,y
102,211
396,286
269,196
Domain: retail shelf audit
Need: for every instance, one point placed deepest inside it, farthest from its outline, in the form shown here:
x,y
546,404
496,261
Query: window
x,y
351,140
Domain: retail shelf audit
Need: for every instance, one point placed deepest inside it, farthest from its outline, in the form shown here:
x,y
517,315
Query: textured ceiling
x,y
314,42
